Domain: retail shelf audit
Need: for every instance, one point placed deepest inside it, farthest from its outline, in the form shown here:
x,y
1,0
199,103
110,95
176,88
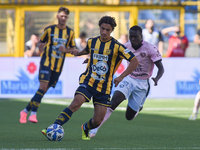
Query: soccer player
x,y
106,54
135,87
57,40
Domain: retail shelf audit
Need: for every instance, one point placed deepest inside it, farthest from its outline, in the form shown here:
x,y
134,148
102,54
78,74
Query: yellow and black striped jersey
x,y
105,58
54,38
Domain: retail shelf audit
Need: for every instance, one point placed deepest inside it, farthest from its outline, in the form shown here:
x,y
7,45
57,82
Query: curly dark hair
x,y
66,10
136,28
108,20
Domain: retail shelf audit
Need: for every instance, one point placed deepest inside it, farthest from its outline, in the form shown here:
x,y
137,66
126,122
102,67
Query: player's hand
x,y
117,80
85,61
61,49
155,81
75,52
41,46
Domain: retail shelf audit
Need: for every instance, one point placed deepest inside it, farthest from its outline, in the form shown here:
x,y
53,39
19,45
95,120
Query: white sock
x,y
33,113
25,110
108,113
196,103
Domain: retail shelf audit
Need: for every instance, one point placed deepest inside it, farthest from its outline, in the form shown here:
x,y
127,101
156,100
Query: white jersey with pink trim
x,y
147,54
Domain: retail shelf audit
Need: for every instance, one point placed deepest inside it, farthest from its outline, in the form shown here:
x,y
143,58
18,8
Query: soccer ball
x,y
55,132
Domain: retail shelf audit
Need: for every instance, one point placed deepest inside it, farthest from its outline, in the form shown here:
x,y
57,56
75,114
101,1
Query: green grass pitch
x,y
162,124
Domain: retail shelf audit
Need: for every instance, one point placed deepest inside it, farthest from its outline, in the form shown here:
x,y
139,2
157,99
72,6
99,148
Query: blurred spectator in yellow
x,y
178,42
31,46
153,36
81,42
197,39
123,38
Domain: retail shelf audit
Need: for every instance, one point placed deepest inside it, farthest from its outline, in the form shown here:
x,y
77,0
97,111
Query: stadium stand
x,y
15,22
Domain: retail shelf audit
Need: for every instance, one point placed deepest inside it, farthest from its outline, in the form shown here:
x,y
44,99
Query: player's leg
x,y
117,98
36,101
137,98
46,81
33,104
121,92
196,107
82,95
101,102
99,113
44,78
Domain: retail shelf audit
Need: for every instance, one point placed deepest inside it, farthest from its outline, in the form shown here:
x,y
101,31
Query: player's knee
x,y
74,106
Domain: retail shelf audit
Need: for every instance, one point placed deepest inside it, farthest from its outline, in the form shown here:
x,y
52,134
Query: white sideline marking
x,y
86,105
90,105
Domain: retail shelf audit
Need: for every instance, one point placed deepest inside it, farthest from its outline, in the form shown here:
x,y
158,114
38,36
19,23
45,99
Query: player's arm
x,y
132,66
43,40
160,43
76,52
29,51
160,71
41,46
66,50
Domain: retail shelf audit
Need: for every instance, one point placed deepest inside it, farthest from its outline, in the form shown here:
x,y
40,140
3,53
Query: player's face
x,y
105,31
62,18
135,38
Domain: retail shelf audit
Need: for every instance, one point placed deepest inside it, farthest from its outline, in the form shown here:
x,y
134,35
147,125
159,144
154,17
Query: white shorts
x,y
135,90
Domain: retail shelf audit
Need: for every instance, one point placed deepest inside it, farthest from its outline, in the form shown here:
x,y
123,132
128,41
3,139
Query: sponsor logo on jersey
x,y
100,57
60,40
56,56
44,71
126,51
97,77
53,34
94,49
100,68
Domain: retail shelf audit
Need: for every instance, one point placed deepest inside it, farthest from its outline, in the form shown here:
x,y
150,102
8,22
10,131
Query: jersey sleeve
x,y
72,39
155,54
44,37
125,53
27,47
88,45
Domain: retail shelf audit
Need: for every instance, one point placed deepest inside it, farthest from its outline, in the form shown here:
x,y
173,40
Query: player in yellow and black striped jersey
x,y
56,41
105,58
106,55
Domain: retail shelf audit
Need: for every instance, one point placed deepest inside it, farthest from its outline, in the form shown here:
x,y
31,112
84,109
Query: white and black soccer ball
x,y
55,132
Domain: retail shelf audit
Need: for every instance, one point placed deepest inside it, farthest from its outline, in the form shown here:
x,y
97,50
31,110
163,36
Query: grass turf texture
x,y
162,124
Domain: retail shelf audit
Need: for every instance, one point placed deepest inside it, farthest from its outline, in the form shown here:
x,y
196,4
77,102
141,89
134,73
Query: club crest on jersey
x,y
126,51
108,51
100,68
142,54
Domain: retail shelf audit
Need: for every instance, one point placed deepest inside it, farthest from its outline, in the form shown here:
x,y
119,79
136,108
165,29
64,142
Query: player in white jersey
x,y
135,87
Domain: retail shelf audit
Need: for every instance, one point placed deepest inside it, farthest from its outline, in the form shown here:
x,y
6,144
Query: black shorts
x,y
98,98
47,75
